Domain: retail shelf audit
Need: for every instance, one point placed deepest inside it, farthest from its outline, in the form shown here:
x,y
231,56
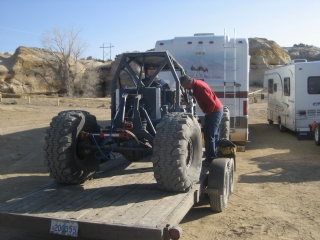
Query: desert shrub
x,y
89,86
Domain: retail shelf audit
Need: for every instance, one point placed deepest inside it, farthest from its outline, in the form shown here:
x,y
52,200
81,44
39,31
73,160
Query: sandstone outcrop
x,y
265,54
37,70
271,52
30,70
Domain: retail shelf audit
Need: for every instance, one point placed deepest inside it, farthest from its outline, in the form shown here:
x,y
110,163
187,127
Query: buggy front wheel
x,y
66,161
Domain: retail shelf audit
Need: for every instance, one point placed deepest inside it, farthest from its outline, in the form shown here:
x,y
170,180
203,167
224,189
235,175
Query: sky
x,y
111,27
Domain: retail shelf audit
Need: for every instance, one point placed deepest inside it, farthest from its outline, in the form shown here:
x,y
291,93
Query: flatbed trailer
x,y
121,202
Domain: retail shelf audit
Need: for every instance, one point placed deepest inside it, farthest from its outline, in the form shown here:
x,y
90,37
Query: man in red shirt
x,y
212,107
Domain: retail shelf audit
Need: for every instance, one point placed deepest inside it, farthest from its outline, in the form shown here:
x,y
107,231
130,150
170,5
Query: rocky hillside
x,y
302,51
35,70
266,54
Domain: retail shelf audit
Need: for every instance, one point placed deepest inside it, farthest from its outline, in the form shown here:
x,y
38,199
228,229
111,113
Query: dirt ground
x,y
277,186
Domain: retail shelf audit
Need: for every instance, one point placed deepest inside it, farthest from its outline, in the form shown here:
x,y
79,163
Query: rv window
x,y
286,86
314,85
275,87
270,86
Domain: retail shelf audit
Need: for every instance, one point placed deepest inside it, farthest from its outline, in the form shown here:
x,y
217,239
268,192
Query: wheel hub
x,y
190,153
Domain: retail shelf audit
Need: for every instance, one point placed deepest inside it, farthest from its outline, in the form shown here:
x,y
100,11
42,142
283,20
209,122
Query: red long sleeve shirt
x,y
206,98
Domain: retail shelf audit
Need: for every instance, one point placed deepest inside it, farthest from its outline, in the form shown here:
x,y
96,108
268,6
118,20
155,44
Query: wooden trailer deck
x,y
121,202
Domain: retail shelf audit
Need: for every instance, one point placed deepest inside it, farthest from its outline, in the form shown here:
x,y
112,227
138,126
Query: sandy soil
x,y
277,186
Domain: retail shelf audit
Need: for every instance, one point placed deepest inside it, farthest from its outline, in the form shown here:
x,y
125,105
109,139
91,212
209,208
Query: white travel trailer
x,y
294,95
223,63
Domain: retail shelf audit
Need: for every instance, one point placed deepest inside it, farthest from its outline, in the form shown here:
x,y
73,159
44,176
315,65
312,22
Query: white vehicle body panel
x,y
297,104
223,63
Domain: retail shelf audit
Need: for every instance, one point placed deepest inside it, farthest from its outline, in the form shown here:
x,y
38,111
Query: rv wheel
x,y
66,161
316,134
177,152
281,127
270,121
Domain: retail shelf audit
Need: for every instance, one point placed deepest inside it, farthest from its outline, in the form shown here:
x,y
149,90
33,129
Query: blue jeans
x,y
211,133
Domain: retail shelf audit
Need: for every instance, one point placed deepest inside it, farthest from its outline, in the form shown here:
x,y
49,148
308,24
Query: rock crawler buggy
x,y
146,120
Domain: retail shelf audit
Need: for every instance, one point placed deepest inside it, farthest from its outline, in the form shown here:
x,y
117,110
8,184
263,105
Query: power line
x,y
107,53
17,30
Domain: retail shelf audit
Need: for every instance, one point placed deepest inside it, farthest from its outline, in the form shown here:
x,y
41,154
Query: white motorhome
x,y
223,63
294,95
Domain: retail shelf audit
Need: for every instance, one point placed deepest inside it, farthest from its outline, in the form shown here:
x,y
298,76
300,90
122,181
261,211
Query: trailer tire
x,y
316,134
65,160
177,152
231,169
221,177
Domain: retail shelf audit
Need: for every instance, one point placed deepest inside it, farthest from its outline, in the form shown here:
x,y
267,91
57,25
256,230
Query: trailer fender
x,y
217,172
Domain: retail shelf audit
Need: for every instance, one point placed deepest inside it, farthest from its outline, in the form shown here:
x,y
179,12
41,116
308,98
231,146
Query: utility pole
x,y
107,53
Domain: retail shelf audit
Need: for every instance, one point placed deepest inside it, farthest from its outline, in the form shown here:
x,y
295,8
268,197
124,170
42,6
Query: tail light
x,y
301,112
175,232
245,107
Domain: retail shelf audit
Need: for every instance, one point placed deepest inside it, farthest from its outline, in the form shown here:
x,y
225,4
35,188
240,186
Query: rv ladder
x,y
228,69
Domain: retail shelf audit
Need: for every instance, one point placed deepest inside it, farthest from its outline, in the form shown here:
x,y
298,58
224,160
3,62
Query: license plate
x,y
66,228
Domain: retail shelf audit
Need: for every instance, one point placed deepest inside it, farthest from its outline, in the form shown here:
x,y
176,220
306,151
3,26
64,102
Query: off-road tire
x,y
316,134
65,160
225,129
225,124
177,152
218,203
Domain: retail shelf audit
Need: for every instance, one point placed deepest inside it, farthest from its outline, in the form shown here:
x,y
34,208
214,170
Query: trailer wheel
x,y
65,160
221,178
177,152
316,134
231,169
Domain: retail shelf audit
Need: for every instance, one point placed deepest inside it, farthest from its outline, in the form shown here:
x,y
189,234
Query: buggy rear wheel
x,y
225,124
66,161
177,152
